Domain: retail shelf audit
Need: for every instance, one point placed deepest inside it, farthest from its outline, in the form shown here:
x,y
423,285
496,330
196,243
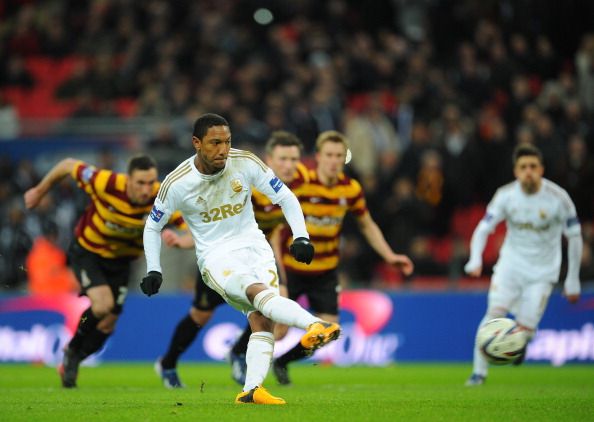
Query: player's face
x,y
528,171
330,158
212,150
283,161
140,186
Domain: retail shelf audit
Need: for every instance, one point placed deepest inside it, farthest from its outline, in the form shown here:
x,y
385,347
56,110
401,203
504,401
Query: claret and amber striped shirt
x,y
269,215
111,226
324,208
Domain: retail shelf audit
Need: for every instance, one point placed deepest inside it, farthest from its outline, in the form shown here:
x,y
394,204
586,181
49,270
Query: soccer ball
x,y
501,341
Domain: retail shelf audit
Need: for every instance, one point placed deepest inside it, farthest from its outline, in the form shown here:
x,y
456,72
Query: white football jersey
x,y
217,208
535,223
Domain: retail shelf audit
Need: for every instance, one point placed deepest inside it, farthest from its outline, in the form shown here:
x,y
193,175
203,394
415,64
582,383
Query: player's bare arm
x,y
175,240
377,241
34,195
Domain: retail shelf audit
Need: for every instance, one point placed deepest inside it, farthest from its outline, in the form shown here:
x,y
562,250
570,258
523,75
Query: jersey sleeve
x,y
571,222
495,211
359,204
270,185
160,215
89,178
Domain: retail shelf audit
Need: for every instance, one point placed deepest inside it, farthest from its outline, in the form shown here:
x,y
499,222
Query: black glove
x,y
151,283
302,250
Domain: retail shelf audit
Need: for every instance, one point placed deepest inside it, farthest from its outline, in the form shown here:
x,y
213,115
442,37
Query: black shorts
x,y
205,298
321,290
91,270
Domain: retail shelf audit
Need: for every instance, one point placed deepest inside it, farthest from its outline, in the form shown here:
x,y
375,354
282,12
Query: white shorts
x,y
230,274
526,301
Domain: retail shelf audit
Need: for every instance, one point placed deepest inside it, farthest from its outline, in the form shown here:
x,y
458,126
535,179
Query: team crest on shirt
x,y
342,202
236,185
542,214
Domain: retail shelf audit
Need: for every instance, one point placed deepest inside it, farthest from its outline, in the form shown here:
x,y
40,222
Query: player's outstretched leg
x,y
319,334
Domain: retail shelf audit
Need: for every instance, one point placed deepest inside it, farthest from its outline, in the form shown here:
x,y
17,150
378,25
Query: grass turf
x,y
431,392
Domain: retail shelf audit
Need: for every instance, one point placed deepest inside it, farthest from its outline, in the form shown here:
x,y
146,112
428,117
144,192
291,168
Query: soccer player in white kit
x,y
212,190
537,212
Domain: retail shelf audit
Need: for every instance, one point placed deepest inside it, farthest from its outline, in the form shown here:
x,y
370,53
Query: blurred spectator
x,y
46,265
23,38
9,122
403,216
584,63
13,73
578,177
371,135
431,189
15,244
77,83
55,42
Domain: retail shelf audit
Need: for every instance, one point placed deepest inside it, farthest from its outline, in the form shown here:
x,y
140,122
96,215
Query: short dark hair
x,y
206,121
141,162
525,149
284,139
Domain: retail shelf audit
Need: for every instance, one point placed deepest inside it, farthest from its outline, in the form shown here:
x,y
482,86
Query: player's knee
x,y
280,331
254,290
107,324
102,308
259,322
262,299
200,317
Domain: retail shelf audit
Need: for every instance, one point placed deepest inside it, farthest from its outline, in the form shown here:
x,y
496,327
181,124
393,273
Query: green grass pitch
x,y
405,392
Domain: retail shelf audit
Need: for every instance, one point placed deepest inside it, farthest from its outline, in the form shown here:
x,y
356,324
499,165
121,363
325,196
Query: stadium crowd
x,y
433,96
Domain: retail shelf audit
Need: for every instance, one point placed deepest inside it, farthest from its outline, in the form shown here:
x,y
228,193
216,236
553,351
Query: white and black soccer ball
x,y
501,340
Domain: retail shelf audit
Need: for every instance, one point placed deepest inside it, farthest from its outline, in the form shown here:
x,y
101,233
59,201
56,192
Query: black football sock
x,y
87,323
185,333
94,341
240,346
296,353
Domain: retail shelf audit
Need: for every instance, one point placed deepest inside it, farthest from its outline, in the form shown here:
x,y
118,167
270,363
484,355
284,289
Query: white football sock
x,y
257,358
480,366
283,310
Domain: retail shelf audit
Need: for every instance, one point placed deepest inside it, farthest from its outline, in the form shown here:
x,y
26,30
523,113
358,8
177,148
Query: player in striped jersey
x,y
211,189
283,152
537,212
108,237
325,199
